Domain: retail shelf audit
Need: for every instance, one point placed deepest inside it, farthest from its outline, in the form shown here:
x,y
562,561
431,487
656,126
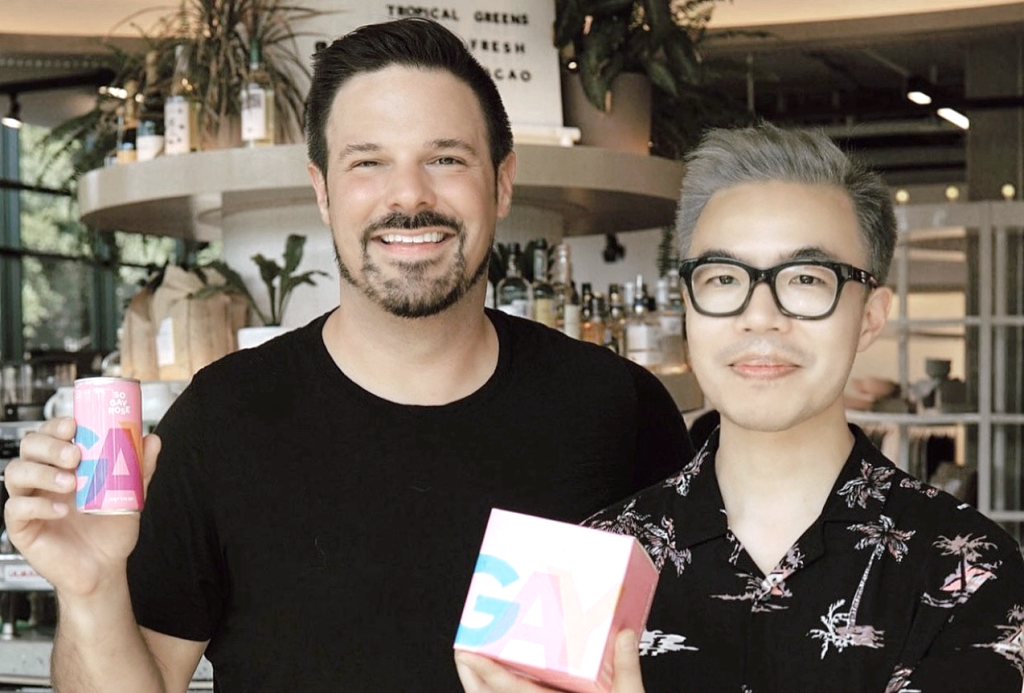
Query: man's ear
x,y
320,187
506,177
876,313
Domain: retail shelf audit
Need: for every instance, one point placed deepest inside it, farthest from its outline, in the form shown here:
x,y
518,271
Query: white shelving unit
x,y
974,248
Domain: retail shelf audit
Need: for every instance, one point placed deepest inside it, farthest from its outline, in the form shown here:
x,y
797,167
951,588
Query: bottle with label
x,y
149,142
643,330
258,111
592,328
128,124
616,320
586,294
543,305
670,316
513,292
561,281
181,109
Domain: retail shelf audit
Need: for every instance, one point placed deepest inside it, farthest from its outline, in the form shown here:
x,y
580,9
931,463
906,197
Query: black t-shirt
x,y
323,539
896,587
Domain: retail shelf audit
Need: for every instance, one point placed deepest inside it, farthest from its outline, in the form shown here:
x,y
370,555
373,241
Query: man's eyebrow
x,y
452,143
358,148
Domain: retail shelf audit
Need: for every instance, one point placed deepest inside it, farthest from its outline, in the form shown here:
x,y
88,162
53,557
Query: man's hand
x,y
76,552
482,675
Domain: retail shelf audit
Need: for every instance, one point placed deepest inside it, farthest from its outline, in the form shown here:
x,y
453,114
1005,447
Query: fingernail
x,y
60,508
65,479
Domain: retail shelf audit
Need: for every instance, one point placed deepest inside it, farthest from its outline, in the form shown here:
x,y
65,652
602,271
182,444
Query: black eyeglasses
x,y
803,289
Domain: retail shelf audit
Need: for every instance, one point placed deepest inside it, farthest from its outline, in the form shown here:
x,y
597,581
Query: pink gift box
x,y
547,599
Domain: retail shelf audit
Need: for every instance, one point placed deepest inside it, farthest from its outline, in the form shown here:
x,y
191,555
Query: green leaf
x,y
293,246
662,77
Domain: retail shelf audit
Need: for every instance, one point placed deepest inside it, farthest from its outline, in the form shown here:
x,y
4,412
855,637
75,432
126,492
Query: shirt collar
x,y
858,495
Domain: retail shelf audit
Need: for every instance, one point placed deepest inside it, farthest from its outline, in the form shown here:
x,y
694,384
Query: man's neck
x,y
424,361
775,484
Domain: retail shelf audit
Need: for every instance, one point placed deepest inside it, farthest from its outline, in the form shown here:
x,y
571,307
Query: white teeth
x,y
435,237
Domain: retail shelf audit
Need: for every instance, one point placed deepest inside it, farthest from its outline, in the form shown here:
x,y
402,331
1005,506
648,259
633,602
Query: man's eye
x,y
365,163
448,160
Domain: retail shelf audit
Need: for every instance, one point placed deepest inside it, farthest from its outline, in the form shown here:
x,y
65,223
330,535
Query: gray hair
x,y
729,157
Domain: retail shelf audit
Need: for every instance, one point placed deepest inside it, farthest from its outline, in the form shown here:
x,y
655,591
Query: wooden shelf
x,y
596,190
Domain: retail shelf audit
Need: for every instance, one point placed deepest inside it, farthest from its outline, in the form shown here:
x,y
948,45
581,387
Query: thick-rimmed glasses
x,y
803,289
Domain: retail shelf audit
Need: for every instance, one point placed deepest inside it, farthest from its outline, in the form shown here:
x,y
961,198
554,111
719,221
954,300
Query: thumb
x,y
627,664
150,450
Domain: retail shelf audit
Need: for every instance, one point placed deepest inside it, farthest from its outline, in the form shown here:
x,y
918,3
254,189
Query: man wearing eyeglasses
x,y
793,556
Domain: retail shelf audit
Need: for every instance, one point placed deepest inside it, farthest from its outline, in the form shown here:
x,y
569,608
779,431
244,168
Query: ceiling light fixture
x,y
954,116
13,117
918,91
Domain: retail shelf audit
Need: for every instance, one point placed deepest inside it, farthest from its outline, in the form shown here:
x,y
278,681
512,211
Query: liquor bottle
x,y
670,316
616,320
128,124
149,142
513,292
586,294
181,109
592,328
543,304
258,112
643,330
561,281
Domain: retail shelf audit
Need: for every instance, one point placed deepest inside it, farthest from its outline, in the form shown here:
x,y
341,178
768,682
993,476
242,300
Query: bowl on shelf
x,y
876,388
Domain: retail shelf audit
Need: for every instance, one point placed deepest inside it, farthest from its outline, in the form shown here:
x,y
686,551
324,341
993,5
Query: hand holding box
x,y
547,599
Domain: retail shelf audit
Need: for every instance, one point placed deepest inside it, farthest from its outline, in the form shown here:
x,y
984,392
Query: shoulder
x,y
943,521
242,373
535,344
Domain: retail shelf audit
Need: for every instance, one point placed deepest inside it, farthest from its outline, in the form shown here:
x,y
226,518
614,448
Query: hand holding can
x,y
108,414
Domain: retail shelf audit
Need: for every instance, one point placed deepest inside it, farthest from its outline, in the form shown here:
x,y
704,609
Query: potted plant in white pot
x,y
280,280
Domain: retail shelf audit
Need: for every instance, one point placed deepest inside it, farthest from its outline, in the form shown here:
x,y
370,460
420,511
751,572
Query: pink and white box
x,y
547,599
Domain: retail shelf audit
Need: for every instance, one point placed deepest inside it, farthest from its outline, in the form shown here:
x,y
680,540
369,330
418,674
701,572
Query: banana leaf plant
x,y
280,280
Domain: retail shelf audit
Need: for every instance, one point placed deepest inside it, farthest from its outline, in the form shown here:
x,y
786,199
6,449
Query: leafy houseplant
x,y
601,39
279,279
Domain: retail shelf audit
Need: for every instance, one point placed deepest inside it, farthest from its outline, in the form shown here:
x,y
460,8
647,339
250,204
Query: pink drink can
x,y
108,414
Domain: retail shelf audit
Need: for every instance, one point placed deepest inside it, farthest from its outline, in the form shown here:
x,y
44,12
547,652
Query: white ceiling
x,y
99,17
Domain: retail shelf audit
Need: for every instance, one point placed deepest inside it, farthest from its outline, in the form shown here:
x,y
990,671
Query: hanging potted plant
x,y
655,42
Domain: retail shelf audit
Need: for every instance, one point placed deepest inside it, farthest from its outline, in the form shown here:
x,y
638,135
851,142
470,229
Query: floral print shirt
x,y
896,587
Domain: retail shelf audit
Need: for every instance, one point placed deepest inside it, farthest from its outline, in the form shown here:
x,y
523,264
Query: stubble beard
x,y
413,294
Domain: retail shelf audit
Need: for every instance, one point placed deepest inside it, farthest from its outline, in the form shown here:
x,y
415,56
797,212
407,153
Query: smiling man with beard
x,y
316,510
793,556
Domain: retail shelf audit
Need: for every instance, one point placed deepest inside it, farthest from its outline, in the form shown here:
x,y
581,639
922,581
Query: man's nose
x,y
762,313
410,189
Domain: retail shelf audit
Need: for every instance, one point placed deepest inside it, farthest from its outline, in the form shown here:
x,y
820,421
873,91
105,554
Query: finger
x,y
51,445
627,664
151,445
25,478
62,427
25,509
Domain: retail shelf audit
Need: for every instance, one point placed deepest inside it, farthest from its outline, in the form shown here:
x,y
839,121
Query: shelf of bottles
x,y
645,327
969,259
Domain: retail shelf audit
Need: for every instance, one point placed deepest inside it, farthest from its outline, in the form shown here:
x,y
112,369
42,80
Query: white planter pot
x,y
249,337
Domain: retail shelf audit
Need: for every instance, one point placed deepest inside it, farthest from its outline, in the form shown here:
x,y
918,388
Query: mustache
x,y
761,347
405,222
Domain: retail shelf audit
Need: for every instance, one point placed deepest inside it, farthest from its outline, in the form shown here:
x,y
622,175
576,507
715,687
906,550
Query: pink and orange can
x,y
108,414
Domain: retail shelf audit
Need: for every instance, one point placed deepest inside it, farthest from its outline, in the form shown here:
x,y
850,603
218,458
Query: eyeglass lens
x,y
805,290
